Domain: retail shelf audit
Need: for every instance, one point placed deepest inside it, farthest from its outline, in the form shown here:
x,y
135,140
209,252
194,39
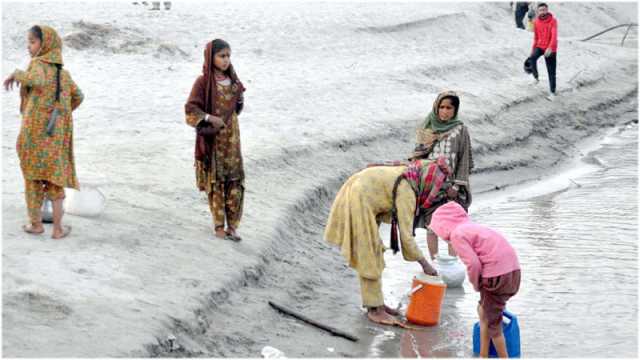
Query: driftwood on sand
x,y
299,316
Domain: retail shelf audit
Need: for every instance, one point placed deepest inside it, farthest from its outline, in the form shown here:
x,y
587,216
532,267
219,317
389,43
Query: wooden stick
x,y
609,29
625,35
575,182
299,316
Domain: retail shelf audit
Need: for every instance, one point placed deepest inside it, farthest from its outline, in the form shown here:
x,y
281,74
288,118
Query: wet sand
x,y
562,270
150,265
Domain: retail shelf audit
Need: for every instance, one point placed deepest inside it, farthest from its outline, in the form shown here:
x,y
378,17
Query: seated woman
x,y
390,194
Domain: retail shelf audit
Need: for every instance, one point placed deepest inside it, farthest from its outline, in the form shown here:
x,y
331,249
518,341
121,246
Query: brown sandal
x,y
394,322
389,320
391,311
231,235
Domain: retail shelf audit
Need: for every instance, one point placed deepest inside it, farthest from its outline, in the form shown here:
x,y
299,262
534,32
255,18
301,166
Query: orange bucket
x,y
427,296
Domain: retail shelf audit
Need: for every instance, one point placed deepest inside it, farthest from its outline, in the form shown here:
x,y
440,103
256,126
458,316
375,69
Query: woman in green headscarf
x,y
443,134
48,96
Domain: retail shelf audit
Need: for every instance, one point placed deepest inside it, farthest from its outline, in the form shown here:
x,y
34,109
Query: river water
x,y
577,241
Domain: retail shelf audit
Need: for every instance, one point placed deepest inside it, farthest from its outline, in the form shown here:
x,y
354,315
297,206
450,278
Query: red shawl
x,y
203,99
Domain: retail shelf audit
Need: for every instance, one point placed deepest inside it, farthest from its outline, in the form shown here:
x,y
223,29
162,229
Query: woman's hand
x,y
9,81
427,268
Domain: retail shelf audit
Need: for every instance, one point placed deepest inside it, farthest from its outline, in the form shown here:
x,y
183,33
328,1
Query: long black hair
x,y
37,32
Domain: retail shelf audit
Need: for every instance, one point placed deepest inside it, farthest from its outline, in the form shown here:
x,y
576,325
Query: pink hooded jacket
x,y
484,251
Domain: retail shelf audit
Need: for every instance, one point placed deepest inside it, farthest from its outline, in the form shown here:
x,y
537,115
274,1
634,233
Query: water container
x,y
452,271
47,211
89,202
427,295
511,332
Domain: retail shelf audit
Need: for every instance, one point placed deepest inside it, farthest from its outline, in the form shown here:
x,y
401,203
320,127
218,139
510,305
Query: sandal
x,y
391,311
388,320
232,237
393,322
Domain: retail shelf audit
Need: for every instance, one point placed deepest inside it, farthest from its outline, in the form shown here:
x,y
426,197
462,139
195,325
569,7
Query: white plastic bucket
x,y
88,202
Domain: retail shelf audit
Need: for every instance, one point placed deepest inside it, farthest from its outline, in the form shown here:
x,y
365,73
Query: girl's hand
x,y
216,121
452,193
9,81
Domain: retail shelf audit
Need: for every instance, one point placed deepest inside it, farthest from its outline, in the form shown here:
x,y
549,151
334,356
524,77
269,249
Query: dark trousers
x,y
521,10
551,67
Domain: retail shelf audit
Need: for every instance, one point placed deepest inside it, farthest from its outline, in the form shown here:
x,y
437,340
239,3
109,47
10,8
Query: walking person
x,y
531,15
522,7
545,43
48,96
213,106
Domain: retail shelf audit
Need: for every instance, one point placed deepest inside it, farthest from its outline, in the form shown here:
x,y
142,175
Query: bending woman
x,y
383,194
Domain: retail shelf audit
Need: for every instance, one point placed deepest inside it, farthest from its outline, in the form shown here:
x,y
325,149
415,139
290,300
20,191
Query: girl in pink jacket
x,y
492,267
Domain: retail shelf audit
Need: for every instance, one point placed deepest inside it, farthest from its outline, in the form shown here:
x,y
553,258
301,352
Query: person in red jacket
x,y
545,42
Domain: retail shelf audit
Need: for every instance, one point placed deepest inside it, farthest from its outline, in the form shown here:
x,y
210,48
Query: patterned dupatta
x,y
428,179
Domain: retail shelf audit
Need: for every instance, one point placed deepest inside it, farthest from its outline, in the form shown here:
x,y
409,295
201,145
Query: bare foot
x,y
33,229
380,316
61,233
220,234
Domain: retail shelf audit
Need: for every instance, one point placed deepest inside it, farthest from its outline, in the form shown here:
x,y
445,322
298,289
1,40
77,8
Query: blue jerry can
x,y
511,332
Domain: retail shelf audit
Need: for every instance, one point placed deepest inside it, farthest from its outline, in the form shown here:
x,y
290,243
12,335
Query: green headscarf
x,y
433,121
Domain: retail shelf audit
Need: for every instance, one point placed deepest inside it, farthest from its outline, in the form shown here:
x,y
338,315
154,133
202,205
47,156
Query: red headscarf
x,y
203,96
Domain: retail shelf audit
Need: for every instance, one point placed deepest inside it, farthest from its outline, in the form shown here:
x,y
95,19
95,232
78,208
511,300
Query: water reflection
x,y
451,338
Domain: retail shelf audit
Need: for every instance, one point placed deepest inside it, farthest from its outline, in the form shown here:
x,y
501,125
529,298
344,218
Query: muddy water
x,y
578,248
577,243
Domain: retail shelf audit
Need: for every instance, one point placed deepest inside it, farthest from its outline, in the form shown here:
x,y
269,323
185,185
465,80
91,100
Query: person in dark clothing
x,y
545,42
522,7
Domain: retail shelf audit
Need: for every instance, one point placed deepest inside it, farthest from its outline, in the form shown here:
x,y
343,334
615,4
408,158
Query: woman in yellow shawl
x,y
390,194
48,96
